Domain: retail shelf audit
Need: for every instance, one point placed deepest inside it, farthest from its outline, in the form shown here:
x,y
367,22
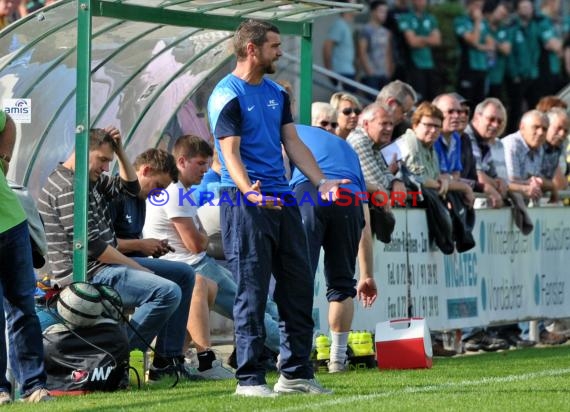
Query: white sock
x,y
338,346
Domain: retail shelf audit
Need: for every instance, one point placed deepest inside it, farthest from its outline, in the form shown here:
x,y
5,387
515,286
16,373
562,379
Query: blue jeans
x,y
226,297
259,242
155,300
171,337
17,285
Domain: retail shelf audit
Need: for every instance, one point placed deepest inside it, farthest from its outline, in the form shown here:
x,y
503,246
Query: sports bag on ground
x,y
81,360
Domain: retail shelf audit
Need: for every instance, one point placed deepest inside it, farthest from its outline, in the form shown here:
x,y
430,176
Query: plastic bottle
x,y
323,346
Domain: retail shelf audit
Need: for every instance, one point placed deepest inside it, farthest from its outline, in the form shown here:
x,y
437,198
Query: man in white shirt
x,y
172,214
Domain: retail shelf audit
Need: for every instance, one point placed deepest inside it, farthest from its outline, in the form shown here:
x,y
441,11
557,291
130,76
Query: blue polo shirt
x,y
449,155
256,113
208,189
334,156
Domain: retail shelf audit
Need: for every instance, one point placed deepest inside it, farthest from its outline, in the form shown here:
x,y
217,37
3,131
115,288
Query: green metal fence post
x,y
81,182
306,81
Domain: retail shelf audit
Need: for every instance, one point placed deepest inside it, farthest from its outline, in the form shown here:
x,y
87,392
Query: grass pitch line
x,y
429,388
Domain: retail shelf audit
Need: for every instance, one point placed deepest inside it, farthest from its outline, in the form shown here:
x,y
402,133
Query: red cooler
x,y
403,344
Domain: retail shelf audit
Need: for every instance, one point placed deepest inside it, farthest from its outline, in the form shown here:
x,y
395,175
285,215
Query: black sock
x,y
160,362
205,360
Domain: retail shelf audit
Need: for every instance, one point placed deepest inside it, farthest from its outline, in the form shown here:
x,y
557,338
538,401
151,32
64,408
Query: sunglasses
x,y
325,123
349,110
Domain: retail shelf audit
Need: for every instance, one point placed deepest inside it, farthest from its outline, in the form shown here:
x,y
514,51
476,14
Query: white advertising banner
x,y
506,277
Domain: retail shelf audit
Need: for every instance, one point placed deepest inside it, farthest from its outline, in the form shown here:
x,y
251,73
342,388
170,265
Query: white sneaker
x,y
217,372
5,398
337,367
262,391
311,386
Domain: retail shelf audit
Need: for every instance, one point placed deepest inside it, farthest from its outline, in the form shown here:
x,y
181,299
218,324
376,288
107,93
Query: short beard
x,y
270,69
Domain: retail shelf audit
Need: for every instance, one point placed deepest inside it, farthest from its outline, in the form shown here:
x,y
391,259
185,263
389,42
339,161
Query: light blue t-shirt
x,y
256,113
335,157
343,53
208,189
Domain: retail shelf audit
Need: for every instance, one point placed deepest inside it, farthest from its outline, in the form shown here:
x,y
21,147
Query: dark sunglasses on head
x,y
325,123
349,110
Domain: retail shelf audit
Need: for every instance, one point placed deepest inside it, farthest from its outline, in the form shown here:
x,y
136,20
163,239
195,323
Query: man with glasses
x,y
448,145
374,131
553,161
400,97
523,157
487,124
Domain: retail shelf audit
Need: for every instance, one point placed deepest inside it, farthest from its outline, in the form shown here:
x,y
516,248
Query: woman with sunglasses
x,y
348,109
323,115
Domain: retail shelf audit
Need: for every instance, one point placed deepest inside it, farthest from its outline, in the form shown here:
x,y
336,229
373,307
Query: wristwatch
x,y
321,182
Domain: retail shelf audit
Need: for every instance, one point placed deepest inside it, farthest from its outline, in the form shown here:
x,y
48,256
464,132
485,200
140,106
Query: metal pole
x,y
306,66
81,182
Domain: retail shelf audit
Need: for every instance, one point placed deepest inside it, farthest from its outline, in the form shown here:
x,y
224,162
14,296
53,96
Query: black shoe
x,y
268,359
175,370
515,340
492,344
440,351
552,338
232,359
482,340
473,343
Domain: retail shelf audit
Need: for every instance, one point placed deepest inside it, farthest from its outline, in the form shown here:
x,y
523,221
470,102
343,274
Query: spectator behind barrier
x,y
554,155
323,115
524,152
348,108
400,97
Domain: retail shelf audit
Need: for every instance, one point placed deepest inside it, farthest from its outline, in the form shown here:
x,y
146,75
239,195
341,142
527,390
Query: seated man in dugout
x,y
177,220
160,298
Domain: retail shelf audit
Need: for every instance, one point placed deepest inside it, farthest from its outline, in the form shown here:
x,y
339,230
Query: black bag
x,y
382,223
463,219
440,227
82,360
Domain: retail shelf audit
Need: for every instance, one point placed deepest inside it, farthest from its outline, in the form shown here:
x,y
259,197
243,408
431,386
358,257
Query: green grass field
x,y
517,380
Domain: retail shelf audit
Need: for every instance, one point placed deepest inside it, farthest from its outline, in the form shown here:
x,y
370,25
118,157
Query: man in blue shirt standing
x,y
250,118
327,222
